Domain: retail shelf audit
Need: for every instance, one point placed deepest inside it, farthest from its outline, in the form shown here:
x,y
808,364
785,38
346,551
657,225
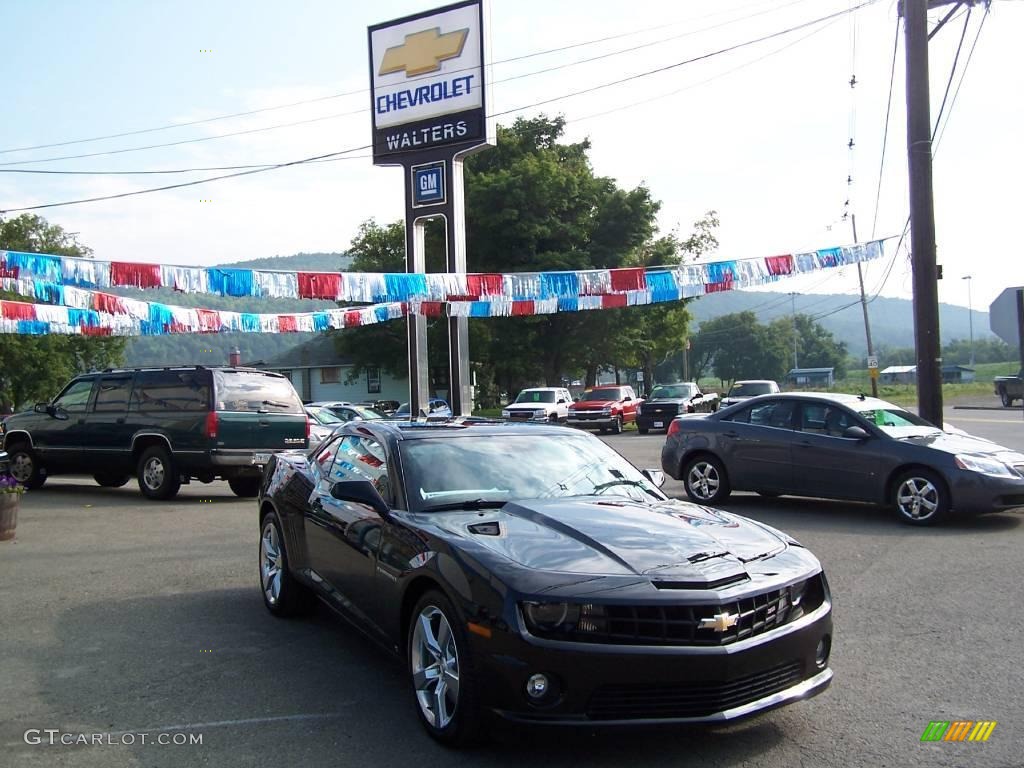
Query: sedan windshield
x,y
535,396
897,422
323,416
603,394
677,391
480,469
750,389
366,414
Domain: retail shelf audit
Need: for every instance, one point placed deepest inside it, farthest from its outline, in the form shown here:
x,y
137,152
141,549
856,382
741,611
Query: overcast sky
x,y
759,134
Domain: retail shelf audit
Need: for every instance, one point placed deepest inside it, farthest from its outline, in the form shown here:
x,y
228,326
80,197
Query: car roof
x,y
754,381
414,430
855,402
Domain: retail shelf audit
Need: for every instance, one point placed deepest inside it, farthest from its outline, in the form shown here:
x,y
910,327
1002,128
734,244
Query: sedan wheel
x,y
705,480
442,678
920,497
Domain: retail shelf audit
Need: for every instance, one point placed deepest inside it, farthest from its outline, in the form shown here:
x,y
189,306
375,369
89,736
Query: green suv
x,y
166,426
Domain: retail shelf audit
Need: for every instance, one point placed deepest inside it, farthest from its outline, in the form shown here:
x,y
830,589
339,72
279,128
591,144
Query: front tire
x,y
920,497
705,480
642,430
1005,397
25,468
246,487
617,425
282,595
441,669
158,477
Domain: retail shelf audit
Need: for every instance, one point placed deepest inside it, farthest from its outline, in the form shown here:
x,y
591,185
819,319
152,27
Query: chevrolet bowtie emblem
x,y
423,52
720,622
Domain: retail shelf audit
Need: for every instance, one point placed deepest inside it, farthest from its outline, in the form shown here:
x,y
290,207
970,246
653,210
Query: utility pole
x,y
864,306
792,298
970,314
922,214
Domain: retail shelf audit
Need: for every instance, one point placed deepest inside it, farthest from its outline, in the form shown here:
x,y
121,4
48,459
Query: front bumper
x,y
974,492
597,684
654,420
591,421
525,416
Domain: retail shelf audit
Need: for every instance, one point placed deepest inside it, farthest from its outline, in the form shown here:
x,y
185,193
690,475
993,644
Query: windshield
x,y
750,389
255,392
468,468
603,394
323,416
535,396
680,391
897,422
365,413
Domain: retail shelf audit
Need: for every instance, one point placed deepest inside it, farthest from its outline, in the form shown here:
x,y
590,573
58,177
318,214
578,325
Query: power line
x,y
885,130
956,93
170,170
364,91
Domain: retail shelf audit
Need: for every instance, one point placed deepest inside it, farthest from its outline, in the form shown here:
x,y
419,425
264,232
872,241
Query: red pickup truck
x,y
607,408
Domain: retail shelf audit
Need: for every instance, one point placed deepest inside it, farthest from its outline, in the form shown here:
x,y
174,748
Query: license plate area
x,y
260,458
659,424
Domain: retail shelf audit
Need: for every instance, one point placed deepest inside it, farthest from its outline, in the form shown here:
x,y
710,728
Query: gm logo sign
x,y
428,184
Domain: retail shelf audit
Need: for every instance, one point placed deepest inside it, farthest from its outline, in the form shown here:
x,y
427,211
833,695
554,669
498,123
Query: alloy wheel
x,y
703,480
270,563
22,467
435,667
153,473
917,498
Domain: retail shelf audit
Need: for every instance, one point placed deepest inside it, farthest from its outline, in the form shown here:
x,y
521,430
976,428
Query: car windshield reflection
x,y
472,469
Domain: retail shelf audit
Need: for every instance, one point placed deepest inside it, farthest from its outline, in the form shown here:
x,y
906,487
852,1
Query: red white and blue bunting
x,y
71,300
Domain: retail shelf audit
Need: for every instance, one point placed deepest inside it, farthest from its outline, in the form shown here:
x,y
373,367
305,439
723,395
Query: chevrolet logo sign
x,y
423,52
720,622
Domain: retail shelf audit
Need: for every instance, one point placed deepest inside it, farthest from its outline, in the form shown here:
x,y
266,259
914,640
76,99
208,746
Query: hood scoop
x,y
728,581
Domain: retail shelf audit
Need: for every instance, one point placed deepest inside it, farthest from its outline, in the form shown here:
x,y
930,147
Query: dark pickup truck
x,y
1010,388
667,401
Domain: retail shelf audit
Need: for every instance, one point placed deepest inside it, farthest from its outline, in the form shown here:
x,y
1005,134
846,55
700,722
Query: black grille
x,y
520,415
660,410
690,699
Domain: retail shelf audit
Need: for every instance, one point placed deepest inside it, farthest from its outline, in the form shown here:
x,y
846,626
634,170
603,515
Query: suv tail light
x,y
674,426
309,428
211,425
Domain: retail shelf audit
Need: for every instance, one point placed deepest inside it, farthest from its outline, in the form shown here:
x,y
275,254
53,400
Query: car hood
x,y
667,401
667,541
951,442
528,406
592,405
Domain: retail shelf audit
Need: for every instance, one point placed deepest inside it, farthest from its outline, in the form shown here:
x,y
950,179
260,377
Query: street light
x,y
970,315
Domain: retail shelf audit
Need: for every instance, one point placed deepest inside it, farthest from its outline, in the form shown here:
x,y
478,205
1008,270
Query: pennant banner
x,y
69,302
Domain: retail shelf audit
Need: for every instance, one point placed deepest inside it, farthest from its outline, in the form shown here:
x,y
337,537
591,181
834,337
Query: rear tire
x,y
24,467
920,497
111,479
440,666
246,487
705,480
158,476
283,596
1005,397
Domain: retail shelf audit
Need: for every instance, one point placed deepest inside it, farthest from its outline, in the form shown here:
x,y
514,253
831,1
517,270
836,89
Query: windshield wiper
x,y
468,504
624,481
276,404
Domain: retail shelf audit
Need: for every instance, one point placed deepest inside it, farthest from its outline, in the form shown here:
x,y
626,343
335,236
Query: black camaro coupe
x,y
531,572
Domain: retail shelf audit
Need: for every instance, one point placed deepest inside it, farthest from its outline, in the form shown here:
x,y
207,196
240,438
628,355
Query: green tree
x,y
35,367
744,348
816,346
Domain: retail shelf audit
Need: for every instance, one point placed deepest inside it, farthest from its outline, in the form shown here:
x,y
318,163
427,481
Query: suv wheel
x,y
158,477
440,666
246,487
24,467
111,479
1005,397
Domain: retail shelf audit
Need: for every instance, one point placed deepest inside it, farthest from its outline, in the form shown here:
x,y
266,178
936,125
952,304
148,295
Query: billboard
x,y
427,85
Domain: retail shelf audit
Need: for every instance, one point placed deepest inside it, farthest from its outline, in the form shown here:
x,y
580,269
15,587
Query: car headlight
x,y
984,466
559,618
540,413
606,410
505,414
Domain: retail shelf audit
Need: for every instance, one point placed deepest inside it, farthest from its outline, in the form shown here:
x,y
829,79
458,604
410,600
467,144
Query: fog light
x,y
537,686
822,651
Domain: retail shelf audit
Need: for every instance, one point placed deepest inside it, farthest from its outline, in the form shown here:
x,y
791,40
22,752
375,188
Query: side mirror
x,y
856,433
41,407
656,476
360,492
561,401
626,399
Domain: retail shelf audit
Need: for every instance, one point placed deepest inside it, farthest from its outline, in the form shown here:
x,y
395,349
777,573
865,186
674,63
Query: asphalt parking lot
x,y
124,617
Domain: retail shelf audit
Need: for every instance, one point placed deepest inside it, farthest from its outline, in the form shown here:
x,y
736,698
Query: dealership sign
x,y
427,81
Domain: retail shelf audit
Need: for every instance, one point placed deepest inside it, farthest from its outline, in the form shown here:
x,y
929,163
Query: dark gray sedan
x,y
841,447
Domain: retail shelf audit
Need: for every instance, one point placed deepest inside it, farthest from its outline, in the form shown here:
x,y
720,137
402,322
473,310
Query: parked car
x,y
606,407
436,408
842,447
1010,388
532,573
347,411
539,404
164,425
668,400
322,423
383,407
744,390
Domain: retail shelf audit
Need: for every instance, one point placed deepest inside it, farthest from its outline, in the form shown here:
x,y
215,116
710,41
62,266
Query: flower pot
x,y
8,514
